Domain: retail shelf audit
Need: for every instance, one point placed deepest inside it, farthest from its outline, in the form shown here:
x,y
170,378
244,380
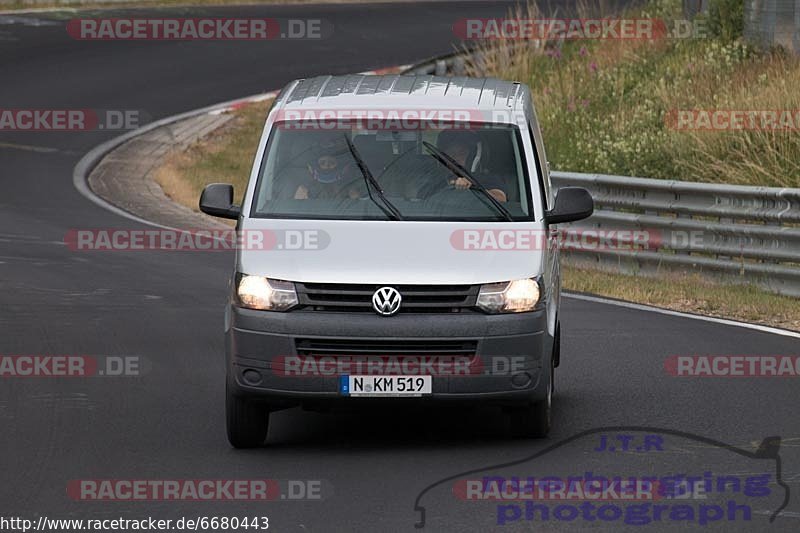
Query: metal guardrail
x,y
745,234
742,234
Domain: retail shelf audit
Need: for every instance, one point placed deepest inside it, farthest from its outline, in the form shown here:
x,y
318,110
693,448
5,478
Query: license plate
x,y
385,385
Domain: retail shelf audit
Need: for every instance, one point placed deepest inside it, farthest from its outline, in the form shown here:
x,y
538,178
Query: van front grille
x,y
358,297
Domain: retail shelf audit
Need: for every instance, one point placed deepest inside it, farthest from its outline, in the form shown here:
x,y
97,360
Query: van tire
x,y
247,421
557,346
556,357
534,420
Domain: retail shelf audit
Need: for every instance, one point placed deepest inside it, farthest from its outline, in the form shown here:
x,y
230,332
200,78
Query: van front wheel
x,y
247,421
533,420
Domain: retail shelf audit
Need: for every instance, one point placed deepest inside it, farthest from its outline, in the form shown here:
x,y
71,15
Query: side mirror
x,y
217,201
572,203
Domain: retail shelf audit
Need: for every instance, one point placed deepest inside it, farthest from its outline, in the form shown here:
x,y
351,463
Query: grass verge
x,y
610,106
690,293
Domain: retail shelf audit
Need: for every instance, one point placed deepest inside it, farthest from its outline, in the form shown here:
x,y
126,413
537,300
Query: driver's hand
x,y
461,183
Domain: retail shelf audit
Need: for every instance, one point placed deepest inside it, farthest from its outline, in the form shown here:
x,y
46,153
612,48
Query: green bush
x,y
726,19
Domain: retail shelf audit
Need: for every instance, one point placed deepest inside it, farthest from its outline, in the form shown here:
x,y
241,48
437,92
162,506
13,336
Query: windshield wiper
x,y
460,171
390,210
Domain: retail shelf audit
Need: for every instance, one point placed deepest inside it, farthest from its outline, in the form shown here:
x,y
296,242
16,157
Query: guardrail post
x,y
725,220
682,252
459,68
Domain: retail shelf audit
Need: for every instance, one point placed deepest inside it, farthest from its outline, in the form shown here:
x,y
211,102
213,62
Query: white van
x,y
406,251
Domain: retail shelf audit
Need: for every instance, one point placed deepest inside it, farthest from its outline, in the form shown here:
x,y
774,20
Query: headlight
x,y
509,296
257,292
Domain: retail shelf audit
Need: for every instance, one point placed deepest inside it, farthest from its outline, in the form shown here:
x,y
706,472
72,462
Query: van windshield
x,y
308,172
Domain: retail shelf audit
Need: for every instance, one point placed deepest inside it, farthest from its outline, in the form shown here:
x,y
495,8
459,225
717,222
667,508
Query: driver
x,y
327,176
461,146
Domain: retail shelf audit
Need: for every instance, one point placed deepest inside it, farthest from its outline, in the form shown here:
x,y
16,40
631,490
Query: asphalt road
x,y
166,308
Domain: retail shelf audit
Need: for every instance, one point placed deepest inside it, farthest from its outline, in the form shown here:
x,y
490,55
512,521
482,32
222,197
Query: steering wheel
x,y
439,187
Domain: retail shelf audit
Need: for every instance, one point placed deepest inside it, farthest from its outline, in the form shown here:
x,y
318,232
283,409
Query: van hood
x,y
390,252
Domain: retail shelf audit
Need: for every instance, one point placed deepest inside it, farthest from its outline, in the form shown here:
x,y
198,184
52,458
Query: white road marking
x,y
29,148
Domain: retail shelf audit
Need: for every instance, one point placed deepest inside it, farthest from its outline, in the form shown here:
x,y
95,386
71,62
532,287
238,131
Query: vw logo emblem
x,y
386,301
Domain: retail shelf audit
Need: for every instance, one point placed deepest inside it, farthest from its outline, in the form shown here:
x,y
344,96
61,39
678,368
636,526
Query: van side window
x,y
544,180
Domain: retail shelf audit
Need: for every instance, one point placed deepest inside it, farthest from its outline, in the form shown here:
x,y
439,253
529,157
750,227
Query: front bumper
x,y
509,365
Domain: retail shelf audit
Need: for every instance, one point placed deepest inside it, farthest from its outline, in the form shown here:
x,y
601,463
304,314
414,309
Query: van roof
x,y
398,91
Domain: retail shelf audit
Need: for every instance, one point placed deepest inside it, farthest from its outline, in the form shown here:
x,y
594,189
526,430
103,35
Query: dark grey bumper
x,y
258,342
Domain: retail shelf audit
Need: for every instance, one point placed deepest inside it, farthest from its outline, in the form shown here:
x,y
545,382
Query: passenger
x,y
327,177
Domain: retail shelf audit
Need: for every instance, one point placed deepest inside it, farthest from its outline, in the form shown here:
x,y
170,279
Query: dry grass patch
x,y
689,293
224,156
